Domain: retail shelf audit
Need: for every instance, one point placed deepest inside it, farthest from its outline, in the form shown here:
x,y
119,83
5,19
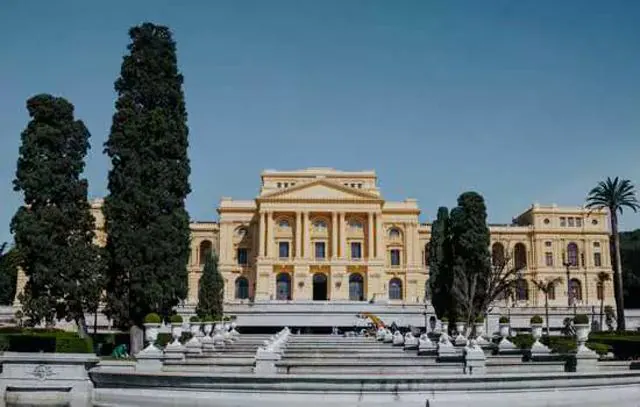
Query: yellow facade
x,y
323,234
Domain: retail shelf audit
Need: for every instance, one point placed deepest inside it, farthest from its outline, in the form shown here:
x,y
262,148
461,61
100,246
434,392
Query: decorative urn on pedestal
x,y
194,346
505,346
175,350
537,349
152,323
479,329
206,339
461,340
583,328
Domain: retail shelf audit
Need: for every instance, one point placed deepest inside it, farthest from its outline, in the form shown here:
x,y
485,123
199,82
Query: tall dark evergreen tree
x,y
440,275
470,241
147,224
54,229
9,262
211,290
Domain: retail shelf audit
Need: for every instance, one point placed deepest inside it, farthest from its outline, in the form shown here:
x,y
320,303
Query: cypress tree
x,y
53,231
147,224
9,261
470,241
211,290
440,277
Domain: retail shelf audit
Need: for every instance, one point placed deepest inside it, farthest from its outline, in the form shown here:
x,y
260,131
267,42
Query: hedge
x,y
561,344
48,341
623,345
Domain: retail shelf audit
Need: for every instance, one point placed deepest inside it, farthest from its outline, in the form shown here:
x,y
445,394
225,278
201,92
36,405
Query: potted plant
x,y
504,324
151,324
581,323
195,325
176,328
445,324
536,327
208,321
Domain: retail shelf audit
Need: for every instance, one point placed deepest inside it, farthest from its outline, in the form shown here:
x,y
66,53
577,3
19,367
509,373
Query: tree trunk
x,y
617,271
136,339
602,308
546,311
82,326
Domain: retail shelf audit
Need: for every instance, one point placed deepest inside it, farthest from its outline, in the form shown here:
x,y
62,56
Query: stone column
x,y
379,237
370,237
334,235
269,234
306,234
343,235
298,235
261,239
408,242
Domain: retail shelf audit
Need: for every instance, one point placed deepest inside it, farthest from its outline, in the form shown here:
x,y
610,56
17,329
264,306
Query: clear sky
x,y
522,101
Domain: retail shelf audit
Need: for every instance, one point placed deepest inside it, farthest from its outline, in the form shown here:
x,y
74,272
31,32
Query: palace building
x,y
329,236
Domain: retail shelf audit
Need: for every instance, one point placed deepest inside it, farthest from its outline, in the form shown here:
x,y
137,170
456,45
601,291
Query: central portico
x,y
321,234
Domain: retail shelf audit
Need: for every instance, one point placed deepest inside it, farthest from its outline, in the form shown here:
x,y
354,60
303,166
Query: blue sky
x,y
523,101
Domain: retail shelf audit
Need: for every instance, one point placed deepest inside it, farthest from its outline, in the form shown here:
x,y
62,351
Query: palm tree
x,y
547,287
614,195
602,279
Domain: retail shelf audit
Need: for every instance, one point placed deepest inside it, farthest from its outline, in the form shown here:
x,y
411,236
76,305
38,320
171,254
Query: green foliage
x,y
610,316
599,348
581,319
630,253
211,290
53,230
444,319
624,345
166,338
615,195
176,319
152,318
31,340
194,319
471,258
208,318
440,277
479,319
504,320
147,224
9,262
536,319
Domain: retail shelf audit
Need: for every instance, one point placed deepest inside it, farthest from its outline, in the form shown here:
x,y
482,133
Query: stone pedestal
x,y
426,346
586,360
410,341
506,347
388,337
446,350
398,339
174,351
266,362
474,359
149,359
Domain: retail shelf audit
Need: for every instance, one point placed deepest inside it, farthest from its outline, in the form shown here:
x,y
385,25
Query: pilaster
x,y
306,234
370,236
343,236
334,235
269,234
262,236
298,250
379,237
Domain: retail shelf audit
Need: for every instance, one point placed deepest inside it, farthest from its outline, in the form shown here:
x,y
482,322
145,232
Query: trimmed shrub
x,y
176,319
152,318
208,319
504,320
582,319
479,320
536,319
444,319
46,341
194,319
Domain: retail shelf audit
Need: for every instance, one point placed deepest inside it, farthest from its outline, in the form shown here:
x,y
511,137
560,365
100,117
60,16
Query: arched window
x,y
355,224
356,287
572,254
575,289
395,289
283,286
522,290
205,251
320,225
394,233
283,224
426,254
242,288
497,254
520,256
600,290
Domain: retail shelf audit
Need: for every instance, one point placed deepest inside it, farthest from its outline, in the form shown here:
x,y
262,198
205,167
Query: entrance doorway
x,y
319,287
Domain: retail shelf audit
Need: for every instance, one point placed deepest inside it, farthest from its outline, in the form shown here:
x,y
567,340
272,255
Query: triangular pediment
x,y
320,190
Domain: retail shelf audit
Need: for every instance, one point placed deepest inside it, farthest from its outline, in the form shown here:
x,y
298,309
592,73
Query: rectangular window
x,y
563,221
548,259
243,258
395,257
597,259
570,222
356,250
579,222
320,250
283,250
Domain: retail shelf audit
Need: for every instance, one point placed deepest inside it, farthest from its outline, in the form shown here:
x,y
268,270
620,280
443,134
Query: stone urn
x,y
459,328
479,327
445,327
582,335
151,332
536,331
195,328
207,328
176,332
504,329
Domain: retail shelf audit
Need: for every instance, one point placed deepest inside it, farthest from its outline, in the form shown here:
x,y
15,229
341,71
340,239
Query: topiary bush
x,y
208,319
47,341
176,319
479,320
152,318
194,319
581,319
536,319
503,320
